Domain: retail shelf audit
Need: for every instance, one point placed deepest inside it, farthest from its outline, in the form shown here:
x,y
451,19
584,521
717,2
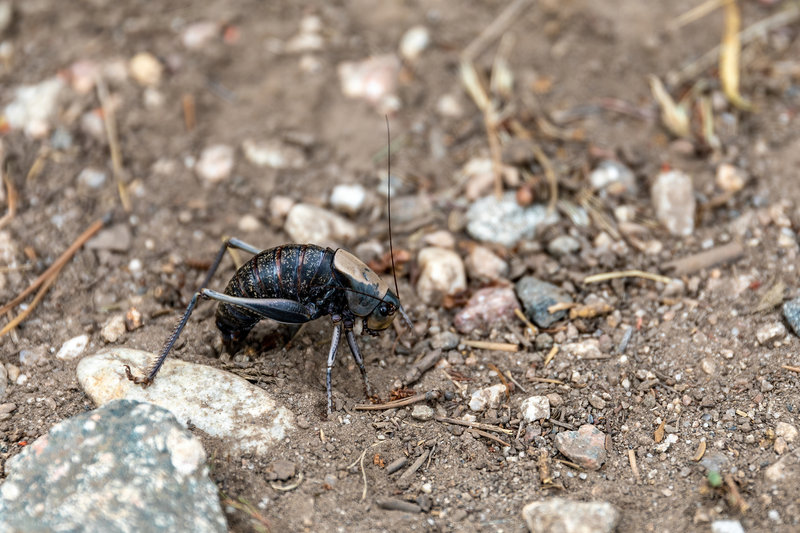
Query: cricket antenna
x,y
389,215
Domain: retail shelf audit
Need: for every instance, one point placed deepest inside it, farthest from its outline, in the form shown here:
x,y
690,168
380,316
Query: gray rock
x,y
559,515
791,311
446,340
563,245
117,238
223,405
3,381
504,221
127,466
586,447
537,296
673,199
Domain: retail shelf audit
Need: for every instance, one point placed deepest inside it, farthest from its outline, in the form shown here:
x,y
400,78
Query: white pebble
x,y
199,34
535,408
348,199
249,223
273,154
146,69
73,347
414,42
113,329
92,177
307,223
487,398
216,163
673,199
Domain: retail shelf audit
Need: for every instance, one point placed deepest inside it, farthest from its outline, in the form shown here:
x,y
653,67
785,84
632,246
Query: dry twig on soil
x,y
606,276
709,258
426,396
46,279
487,345
113,143
474,425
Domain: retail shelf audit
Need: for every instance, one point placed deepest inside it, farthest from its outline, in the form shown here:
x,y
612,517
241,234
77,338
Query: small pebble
x,y
770,332
673,198
117,238
373,79
487,398
442,274
730,178
215,163
505,221
726,526
537,296
283,469
535,408
422,412
249,223
441,239
613,177
563,245
308,223
484,265
414,42
597,402
787,431
72,348
273,154
113,329
487,308
146,69
348,199
33,107
560,515
92,178
585,447
445,340
199,34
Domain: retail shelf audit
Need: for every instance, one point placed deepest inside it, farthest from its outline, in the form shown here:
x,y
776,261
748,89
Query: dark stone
x,y
537,296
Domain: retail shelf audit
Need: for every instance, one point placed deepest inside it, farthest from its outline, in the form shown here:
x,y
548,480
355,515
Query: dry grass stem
x,y
730,55
606,276
474,425
54,269
634,466
113,143
427,396
487,345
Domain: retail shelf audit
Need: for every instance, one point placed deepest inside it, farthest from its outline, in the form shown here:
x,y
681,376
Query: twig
x,y
11,193
634,466
486,345
187,101
709,258
474,425
569,463
735,497
494,30
290,486
763,26
422,366
360,461
545,380
405,476
791,368
528,323
694,14
701,451
605,276
113,143
562,424
552,353
514,381
489,436
424,397
500,375
543,463
38,298
56,266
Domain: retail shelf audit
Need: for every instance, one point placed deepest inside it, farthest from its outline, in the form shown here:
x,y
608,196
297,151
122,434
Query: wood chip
x,y
659,434
701,451
709,258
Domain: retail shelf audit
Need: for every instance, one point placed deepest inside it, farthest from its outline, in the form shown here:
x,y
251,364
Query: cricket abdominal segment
x,y
294,284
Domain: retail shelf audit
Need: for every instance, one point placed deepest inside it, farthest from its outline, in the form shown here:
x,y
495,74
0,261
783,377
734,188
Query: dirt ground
x,y
584,64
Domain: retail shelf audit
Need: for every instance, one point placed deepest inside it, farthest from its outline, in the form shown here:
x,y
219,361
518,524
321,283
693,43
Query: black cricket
x,y
294,284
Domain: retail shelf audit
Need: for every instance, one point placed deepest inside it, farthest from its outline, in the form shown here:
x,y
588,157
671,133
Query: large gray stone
x,y
127,466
